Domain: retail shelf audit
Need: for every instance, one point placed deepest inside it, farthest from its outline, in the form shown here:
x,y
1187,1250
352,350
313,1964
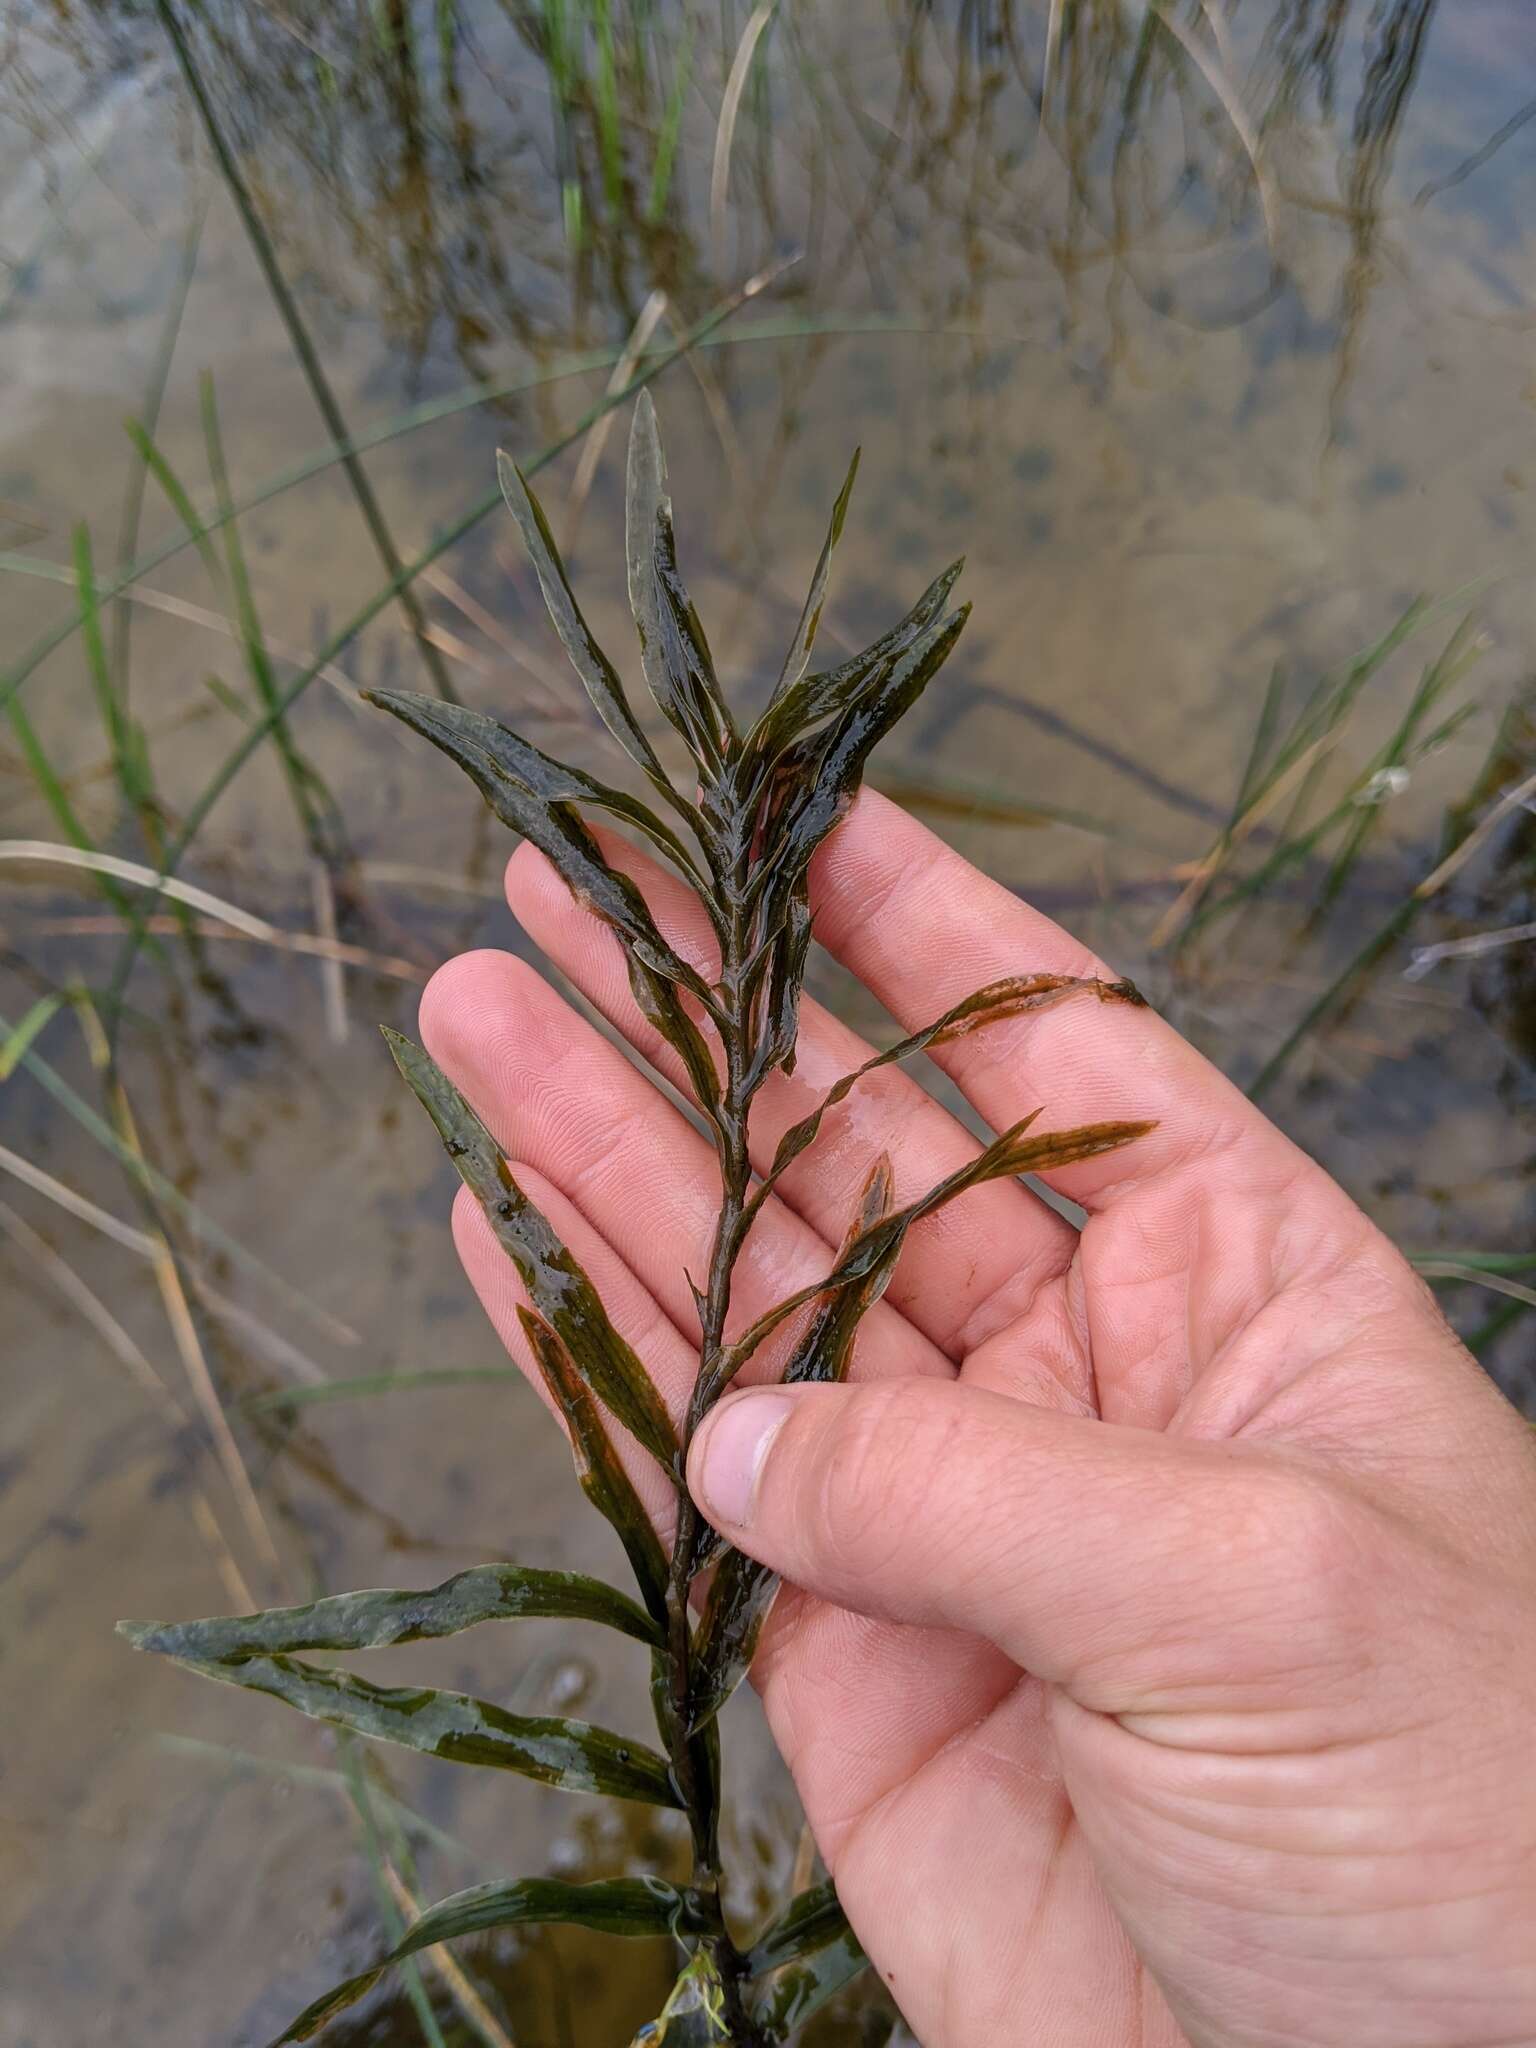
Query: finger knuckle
x,y
1316,1542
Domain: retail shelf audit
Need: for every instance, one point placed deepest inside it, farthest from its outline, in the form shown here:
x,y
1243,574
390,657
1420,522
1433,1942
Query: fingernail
x,y
735,1445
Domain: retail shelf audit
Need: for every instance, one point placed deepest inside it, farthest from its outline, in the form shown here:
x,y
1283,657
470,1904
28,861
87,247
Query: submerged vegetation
x,y
767,797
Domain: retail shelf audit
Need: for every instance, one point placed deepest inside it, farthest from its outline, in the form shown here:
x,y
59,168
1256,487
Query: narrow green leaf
x,y
373,1620
131,513
518,782
572,1755
740,1595
557,1284
1404,747
791,945
674,652
671,127
821,775
380,1832
797,660
803,1959
486,749
555,829
311,799
179,498
319,1393
597,672
872,1256
1009,997
811,698
811,1918
114,723
56,796
632,1906
598,1466
22,1034
659,1002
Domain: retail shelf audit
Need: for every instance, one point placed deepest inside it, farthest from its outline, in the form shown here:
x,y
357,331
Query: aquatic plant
x,y
765,799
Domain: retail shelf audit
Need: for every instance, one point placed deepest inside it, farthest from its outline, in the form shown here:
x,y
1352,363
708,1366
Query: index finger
x,y
922,928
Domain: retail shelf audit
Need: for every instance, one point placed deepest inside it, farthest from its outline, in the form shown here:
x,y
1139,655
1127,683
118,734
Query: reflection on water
x,y
1204,332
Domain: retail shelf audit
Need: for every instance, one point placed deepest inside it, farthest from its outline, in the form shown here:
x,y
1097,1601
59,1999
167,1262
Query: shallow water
x,y
1190,422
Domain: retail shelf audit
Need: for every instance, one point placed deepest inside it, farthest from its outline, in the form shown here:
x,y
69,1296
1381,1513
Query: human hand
x,y
1158,1658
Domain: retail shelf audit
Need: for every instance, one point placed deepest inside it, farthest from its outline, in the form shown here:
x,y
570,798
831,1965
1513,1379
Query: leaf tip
x,y
1124,991
514,486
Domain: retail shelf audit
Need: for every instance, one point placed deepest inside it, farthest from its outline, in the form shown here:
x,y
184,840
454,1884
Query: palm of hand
x,y
999,1838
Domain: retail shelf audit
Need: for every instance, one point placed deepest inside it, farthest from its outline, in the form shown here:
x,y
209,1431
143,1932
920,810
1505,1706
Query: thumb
x,y
1113,1561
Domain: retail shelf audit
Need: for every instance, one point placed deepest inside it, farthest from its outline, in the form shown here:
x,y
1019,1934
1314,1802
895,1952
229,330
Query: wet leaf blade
x,y
797,660
812,1917
374,1620
872,1256
556,1283
1010,997
485,748
587,658
823,774
16,1039
812,698
601,1472
740,1596
674,650
634,1907
803,1960
559,834
571,1755
786,979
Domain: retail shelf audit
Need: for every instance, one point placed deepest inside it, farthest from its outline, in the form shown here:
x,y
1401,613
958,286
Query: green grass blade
x,y
224,776
800,327
1458,656
633,1906
154,398
570,1755
557,1284
303,347
802,1960
199,532
606,98
22,1035
361,1795
366,1385
96,658
665,160
56,796
311,800
377,1620
152,1180
1477,1262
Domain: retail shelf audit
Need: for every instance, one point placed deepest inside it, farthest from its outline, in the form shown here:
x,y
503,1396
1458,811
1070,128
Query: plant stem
x,y
689,1759
304,349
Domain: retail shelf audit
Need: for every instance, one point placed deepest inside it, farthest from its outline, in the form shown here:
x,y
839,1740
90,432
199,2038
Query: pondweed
x,y
766,798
